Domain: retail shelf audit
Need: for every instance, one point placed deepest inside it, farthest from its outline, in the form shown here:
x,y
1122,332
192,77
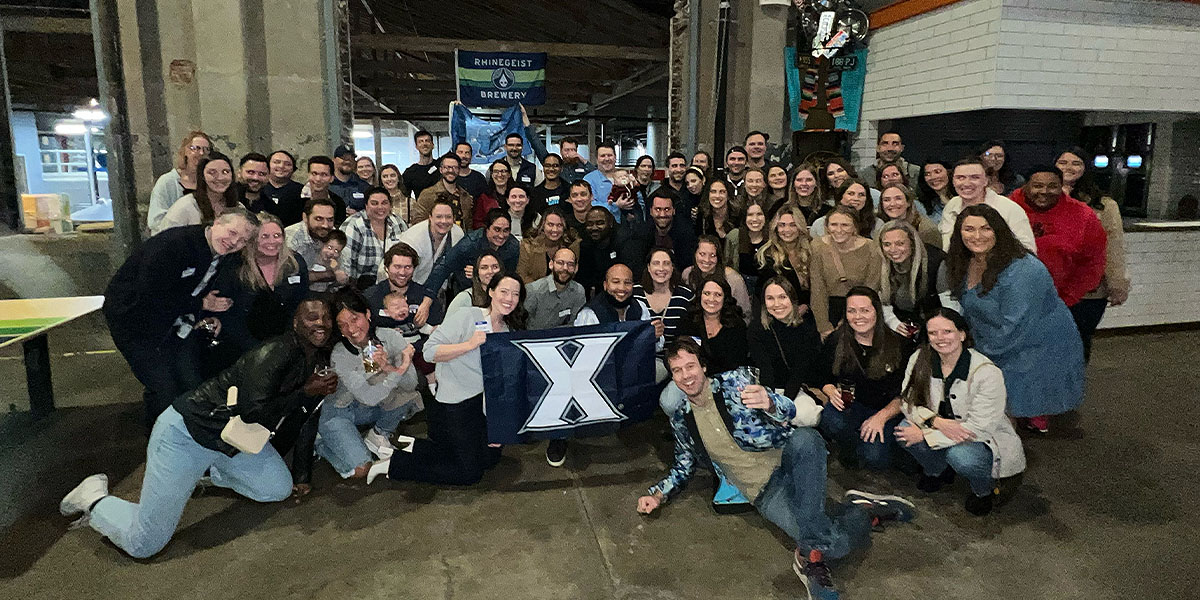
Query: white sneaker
x,y
85,494
378,444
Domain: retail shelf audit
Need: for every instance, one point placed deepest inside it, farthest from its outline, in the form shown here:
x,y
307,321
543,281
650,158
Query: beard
x,y
620,303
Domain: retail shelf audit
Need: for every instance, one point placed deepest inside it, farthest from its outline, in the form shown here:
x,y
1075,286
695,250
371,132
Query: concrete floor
x,y
1103,512
1108,508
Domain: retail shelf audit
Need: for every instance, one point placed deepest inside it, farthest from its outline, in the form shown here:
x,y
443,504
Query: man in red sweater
x,y
1070,240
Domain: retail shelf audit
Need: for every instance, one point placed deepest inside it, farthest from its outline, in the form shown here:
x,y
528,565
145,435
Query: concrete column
x,y
10,200
256,75
766,99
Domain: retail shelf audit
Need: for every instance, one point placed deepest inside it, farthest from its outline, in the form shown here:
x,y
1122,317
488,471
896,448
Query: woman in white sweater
x,y
953,403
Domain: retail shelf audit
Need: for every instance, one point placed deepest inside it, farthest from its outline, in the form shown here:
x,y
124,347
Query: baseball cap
x,y
342,151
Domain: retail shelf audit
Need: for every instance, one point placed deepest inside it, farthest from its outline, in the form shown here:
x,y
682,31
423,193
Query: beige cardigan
x,y
863,267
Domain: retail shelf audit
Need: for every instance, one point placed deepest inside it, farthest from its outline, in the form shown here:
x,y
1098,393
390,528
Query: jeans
x,y
842,427
174,463
340,442
167,369
794,499
456,452
972,460
1087,314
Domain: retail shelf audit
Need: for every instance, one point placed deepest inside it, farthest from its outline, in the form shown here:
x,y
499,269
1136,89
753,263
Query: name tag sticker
x,y
612,254
188,272
383,312
525,178
358,195
294,279
317,268
566,312
433,169
484,326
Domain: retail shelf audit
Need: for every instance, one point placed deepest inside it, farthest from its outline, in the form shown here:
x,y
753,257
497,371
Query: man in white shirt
x,y
971,182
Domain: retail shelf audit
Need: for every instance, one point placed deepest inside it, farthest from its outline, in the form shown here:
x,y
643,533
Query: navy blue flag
x,y
501,78
568,381
486,137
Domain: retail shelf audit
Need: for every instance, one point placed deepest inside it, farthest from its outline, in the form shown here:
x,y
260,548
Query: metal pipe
x,y
719,100
693,92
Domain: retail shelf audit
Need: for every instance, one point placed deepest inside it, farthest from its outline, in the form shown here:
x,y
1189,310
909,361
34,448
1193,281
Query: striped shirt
x,y
673,315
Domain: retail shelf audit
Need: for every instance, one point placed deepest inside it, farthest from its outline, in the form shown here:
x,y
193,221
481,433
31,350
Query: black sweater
x,y
874,393
787,357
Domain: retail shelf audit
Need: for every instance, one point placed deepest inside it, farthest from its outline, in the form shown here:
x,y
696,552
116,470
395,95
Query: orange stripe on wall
x,y
905,9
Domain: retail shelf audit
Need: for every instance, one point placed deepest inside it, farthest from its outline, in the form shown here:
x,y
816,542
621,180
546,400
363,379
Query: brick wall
x,y
1165,269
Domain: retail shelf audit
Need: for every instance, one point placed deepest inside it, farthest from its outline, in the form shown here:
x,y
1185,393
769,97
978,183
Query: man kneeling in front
x,y
751,439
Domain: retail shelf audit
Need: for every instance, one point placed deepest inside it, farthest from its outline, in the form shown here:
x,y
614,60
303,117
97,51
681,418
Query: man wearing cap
x,y
346,182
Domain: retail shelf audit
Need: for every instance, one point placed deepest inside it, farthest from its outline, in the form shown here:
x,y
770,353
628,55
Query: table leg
x,y
37,375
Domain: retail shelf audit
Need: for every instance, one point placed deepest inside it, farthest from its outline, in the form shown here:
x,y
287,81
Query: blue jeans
x,y
972,460
794,499
174,463
340,442
842,426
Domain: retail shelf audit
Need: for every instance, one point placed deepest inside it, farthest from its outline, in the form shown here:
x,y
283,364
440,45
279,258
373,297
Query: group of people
x,y
906,318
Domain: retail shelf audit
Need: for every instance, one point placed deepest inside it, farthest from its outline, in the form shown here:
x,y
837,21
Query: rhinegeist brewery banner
x,y
568,381
501,78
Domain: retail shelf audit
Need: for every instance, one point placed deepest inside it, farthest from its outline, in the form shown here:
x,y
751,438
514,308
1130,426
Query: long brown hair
x,y
917,391
812,202
731,313
479,295
285,264
918,270
695,277
885,355
200,195
648,281
1006,250
793,319
865,218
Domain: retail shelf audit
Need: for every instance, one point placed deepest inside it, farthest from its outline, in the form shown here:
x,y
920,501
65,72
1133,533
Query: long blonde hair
x,y
776,250
285,264
918,276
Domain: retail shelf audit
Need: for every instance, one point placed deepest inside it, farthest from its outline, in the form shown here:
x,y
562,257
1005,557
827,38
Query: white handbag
x,y
247,437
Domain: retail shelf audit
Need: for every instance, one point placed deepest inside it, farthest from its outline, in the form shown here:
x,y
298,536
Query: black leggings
x,y
456,452
1087,314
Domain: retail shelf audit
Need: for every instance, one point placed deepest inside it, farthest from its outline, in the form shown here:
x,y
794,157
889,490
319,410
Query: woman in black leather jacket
x,y
280,385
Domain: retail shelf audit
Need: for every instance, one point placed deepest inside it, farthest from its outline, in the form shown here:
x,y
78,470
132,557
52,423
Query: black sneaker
x,y
932,483
979,505
556,452
815,574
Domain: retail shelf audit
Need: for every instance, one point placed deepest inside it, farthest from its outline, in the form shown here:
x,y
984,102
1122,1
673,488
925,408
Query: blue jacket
x,y
753,430
452,261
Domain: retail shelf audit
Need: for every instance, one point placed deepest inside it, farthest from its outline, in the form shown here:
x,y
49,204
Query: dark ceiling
x,y
414,80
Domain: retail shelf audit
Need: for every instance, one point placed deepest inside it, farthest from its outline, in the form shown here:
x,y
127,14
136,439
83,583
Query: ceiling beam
x,y
412,43
46,24
638,81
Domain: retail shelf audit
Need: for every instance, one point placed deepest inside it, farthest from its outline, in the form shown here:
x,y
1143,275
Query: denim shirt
x,y
752,429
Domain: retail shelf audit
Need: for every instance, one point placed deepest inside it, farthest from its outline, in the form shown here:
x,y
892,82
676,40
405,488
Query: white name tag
x,y
188,272
566,312
433,169
525,178
484,326
612,254
294,279
318,268
552,200
383,312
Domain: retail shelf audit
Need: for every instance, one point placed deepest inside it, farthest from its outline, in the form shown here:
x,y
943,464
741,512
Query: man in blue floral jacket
x,y
745,434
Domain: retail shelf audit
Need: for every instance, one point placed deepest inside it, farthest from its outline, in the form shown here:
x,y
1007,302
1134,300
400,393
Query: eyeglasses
x,y
204,149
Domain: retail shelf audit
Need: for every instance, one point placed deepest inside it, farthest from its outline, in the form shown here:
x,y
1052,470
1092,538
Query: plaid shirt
x,y
753,429
364,252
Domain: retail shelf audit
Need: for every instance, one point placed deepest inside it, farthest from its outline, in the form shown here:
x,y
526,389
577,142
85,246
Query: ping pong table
x,y
28,321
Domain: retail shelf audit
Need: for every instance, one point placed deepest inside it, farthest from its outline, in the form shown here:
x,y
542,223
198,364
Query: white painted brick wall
x,y
1165,269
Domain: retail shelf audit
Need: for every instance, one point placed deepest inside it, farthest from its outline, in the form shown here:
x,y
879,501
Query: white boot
x,y
81,499
377,469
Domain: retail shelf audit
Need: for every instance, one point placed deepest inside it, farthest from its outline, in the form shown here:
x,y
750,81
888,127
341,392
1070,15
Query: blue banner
x,y
486,137
844,87
501,78
568,381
